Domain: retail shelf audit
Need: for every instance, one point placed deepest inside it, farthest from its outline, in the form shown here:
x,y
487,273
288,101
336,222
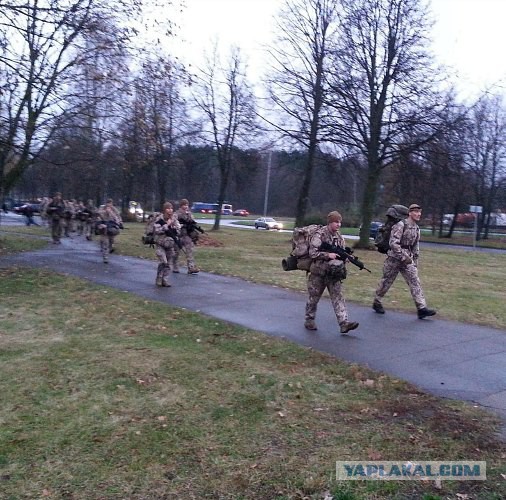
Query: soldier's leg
x,y
175,257
162,257
337,298
190,259
390,271
159,274
169,252
315,288
104,243
410,275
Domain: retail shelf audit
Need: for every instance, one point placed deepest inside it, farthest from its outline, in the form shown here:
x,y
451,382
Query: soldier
x,y
108,225
80,217
327,271
89,213
55,209
166,230
46,220
68,218
189,236
402,257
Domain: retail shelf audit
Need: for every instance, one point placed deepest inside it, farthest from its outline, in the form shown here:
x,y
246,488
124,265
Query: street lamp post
x,y
267,182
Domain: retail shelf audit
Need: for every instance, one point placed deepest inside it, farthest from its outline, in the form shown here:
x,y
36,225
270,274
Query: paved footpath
x,y
445,358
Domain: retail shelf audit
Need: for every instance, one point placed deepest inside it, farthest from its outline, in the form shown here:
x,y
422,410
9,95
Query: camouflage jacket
x,y
404,242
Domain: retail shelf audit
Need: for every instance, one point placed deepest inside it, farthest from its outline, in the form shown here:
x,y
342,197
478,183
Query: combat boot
x,y
425,313
193,270
309,324
159,281
348,326
378,307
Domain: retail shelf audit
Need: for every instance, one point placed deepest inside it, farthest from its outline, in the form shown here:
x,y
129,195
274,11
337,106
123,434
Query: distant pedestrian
x,y
327,272
402,257
4,208
28,212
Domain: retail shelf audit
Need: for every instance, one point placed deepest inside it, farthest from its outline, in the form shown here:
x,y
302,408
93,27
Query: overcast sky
x,y
469,35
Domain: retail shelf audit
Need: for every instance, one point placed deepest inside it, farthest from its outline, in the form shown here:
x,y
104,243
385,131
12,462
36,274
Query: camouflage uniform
x,y
402,258
89,214
54,211
68,218
188,236
80,218
108,224
165,246
320,278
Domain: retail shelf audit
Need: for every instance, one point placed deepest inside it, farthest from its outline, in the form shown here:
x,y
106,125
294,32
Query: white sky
x,y
469,35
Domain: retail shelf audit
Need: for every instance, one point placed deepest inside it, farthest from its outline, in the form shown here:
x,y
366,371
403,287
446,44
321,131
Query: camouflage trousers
x,y
56,230
165,253
316,285
89,228
391,268
187,244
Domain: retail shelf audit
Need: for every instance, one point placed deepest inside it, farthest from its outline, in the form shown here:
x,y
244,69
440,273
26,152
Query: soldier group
x,y
68,216
327,270
176,232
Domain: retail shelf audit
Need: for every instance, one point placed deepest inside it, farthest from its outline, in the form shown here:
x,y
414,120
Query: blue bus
x,y
211,208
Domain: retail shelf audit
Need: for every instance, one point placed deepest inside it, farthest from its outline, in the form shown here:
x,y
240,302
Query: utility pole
x,y
267,182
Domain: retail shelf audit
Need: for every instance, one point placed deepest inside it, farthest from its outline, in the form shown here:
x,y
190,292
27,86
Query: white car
x,y
268,223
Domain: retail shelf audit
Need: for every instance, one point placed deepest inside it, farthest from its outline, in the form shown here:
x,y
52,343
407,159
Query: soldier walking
x,y
402,257
167,230
189,236
108,224
327,272
55,209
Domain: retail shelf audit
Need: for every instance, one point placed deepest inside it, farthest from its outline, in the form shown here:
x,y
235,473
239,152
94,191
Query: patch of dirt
x,y
207,241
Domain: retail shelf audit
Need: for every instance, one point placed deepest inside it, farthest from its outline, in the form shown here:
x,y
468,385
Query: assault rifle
x,y
343,254
191,225
172,233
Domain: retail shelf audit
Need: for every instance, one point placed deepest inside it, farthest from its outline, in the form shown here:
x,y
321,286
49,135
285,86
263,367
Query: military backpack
x,y
148,238
299,256
394,214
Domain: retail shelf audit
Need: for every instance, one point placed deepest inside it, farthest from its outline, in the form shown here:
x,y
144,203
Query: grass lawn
x,y
109,396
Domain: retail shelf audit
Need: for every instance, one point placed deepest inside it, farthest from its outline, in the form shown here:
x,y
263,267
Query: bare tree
x,y
382,87
486,154
227,103
296,81
51,62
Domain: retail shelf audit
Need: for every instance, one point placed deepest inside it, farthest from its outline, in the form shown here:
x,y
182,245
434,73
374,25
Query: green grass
x,y
105,396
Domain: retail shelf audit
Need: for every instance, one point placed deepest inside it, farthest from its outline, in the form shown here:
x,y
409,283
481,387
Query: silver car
x,y
268,223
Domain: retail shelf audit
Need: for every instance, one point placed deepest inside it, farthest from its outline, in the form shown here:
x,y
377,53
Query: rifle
x,y
172,233
343,255
191,225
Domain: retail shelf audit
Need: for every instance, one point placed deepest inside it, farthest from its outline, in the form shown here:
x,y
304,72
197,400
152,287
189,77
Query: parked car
x,y
21,209
242,212
268,223
373,228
